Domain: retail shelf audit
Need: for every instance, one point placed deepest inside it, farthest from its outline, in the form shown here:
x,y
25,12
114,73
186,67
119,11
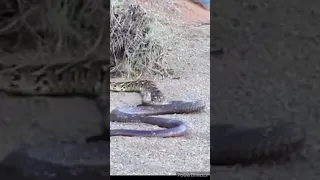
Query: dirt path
x,y
270,73
159,156
40,120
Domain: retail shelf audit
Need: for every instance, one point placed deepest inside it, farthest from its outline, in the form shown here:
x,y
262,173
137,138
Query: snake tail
x,y
246,145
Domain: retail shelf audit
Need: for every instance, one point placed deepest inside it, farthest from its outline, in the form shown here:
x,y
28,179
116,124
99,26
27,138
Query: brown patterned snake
x,y
89,79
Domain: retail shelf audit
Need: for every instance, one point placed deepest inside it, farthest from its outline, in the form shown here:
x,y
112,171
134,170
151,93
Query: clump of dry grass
x,y
80,28
135,46
55,26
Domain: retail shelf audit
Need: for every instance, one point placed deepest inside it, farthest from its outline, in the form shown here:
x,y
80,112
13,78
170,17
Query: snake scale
x,y
86,78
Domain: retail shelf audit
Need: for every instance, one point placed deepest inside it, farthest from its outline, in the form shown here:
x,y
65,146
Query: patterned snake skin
x,y
89,79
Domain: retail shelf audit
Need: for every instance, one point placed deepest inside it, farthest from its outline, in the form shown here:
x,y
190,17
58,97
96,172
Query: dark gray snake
x,y
143,114
153,103
230,144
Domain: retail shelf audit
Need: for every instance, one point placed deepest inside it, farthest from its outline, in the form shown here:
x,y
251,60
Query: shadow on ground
x,y
271,73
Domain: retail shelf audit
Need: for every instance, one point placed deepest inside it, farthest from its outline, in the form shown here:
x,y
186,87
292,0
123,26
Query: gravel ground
x,y
160,156
269,73
190,59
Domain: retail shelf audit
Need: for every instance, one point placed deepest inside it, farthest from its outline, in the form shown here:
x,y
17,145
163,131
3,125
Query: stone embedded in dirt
x,y
204,3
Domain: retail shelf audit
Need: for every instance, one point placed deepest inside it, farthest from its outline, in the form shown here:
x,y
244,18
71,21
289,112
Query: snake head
x,y
117,87
148,98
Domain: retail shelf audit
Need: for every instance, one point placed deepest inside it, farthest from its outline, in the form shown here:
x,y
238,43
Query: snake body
x,y
153,103
86,78
236,144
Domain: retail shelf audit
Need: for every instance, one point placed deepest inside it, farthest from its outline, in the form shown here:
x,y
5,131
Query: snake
x,y
153,103
88,78
232,144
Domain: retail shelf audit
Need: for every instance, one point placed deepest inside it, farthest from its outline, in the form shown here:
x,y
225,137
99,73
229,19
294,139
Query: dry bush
x,y
80,28
73,27
135,46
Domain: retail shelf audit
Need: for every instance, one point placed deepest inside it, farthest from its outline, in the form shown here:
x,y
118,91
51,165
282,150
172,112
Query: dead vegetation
x,y
135,45
54,26
79,28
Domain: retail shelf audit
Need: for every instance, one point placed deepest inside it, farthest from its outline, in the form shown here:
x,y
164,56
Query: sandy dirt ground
x,y
269,73
41,120
190,60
